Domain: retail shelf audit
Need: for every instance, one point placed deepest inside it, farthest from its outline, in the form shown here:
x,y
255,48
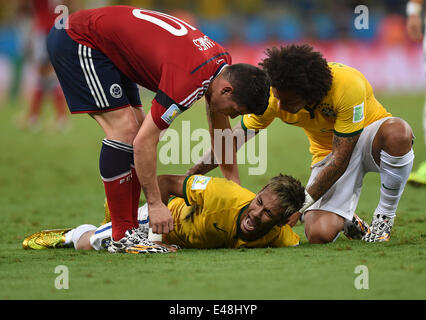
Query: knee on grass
x,y
320,235
322,226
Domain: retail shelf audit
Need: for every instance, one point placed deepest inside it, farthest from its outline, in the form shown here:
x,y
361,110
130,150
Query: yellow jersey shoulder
x,y
207,214
348,84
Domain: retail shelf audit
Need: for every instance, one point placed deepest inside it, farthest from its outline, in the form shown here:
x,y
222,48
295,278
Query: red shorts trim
x,y
102,110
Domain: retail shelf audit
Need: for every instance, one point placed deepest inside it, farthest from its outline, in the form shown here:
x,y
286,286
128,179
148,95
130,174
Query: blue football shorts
x,y
90,81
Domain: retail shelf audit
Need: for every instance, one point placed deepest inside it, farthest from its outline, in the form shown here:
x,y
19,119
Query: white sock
x,y
336,237
68,237
79,231
394,172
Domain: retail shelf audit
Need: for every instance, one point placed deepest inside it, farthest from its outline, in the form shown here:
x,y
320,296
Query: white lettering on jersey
x,y
203,43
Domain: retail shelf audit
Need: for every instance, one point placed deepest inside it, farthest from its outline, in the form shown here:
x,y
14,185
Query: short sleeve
x,y
176,92
349,102
212,192
164,116
194,189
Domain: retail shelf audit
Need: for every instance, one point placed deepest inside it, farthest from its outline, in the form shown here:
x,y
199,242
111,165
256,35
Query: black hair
x,y
300,69
251,86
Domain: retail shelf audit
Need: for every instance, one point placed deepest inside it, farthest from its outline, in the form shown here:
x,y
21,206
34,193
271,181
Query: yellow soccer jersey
x,y
349,107
208,215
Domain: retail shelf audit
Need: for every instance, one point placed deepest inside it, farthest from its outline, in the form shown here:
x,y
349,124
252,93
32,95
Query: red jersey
x,y
44,15
159,52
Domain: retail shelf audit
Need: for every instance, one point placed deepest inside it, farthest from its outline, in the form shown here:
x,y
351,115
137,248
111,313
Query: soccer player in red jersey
x,y
100,58
43,15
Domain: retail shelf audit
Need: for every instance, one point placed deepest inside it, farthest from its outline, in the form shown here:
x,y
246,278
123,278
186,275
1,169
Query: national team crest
x,y
116,91
328,112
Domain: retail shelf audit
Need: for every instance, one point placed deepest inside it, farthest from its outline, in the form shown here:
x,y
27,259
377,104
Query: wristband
x,y
308,202
413,8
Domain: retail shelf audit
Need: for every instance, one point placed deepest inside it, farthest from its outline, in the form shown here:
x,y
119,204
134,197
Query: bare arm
x,y
171,184
145,153
207,161
335,166
219,123
333,169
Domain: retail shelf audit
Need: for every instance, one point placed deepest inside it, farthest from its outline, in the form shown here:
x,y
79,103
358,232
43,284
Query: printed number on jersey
x,y
141,14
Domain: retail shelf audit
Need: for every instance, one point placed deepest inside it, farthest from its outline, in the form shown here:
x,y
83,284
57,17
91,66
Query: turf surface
x,y
50,179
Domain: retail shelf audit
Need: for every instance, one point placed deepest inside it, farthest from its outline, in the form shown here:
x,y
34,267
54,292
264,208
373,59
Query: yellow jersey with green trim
x,y
349,107
208,214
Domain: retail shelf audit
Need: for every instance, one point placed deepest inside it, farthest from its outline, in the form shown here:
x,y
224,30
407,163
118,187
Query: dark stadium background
x,y
382,52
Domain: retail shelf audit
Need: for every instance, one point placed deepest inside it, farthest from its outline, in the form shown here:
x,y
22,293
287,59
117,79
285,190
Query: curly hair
x,y
300,69
251,86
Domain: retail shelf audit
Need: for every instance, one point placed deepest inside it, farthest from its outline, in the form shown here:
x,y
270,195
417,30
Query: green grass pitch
x,y
51,180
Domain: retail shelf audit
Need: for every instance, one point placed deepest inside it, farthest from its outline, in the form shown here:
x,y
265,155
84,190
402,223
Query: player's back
x,y
144,44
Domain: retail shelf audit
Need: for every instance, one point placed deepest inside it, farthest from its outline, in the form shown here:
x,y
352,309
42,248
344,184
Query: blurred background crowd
x,y
383,51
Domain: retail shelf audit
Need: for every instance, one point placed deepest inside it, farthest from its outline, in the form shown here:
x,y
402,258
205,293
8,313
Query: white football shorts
x,y
342,198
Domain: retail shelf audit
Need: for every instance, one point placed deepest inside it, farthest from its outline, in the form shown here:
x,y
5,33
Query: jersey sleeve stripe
x,y
350,134
243,124
207,61
185,196
195,98
188,100
244,127
166,101
199,92
194,95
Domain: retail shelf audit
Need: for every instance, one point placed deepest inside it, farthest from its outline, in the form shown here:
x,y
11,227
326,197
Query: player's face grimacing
x,y
262,214
289,101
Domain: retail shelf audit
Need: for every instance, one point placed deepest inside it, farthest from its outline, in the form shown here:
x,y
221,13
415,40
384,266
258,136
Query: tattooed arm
x,y
335,166
332,170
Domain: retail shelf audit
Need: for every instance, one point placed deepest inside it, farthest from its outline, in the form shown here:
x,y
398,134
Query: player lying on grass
x,y
350,134
101,57
208,213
